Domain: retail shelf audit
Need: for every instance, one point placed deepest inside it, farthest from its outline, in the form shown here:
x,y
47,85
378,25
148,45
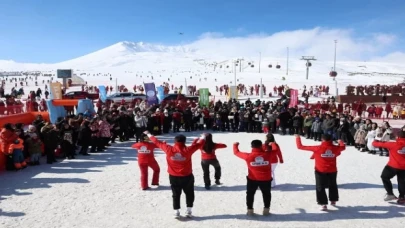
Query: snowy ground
x,y
103,191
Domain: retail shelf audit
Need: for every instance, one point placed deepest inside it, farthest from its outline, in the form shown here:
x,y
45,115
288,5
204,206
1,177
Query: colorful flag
x,y
103,93
204,99
293,98
150,93
160,93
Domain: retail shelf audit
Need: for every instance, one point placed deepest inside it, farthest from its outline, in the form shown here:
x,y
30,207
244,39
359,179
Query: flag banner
x,y
233,92
293,98
150,93
55,90
160,93
204,99
103,93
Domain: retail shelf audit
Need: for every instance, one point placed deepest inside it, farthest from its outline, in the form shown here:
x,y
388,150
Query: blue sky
x,y
56,30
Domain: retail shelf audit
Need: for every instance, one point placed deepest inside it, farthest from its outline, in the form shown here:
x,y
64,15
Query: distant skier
x,y
259,174
180,169
208,158
146,159
395,167
325,168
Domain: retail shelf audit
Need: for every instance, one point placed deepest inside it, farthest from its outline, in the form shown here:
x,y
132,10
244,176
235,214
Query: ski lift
x,y
220,66
278,66
236,64
309,64
333,74
252,65
227,66
249,63
270,66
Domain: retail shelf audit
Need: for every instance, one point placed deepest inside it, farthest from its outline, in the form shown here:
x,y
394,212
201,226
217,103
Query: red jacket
x,y
325,155
397,152
258,162
275,153
145,152
178,156
209,156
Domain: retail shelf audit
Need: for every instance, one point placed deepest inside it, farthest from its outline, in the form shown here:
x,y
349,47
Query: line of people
x,y
260,171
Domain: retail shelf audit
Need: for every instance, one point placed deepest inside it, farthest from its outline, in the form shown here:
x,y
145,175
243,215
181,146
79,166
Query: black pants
x,y
85,148
308,132
252,186
138,133
205,164
50,154
317,136
387,174
185,184
323,181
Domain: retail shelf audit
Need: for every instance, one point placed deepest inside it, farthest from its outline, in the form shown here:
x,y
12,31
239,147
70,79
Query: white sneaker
x,y
176,214
390,197
189,212
324,208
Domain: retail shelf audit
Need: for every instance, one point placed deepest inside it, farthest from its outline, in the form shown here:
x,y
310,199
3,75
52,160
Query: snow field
x,y
103,190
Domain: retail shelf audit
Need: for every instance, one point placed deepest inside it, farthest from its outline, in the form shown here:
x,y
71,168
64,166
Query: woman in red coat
x,y
208,158
272,147
147,159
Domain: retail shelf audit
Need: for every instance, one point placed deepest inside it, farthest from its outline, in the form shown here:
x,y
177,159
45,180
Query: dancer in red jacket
x,y
395,167
276,155
208,158
259,174
325,168
180,170
147,159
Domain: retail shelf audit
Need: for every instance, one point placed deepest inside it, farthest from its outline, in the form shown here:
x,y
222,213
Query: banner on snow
x,y
293,98
150,90
103,93
204,99
233,92
160,93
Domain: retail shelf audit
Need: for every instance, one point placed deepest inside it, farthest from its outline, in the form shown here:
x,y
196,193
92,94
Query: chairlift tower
x,y
308,59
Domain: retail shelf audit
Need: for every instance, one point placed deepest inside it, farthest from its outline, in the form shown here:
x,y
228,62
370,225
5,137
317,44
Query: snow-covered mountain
x,y
131,62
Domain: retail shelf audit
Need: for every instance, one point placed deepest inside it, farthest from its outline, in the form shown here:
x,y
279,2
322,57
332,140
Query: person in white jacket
x,y
370,138
384,133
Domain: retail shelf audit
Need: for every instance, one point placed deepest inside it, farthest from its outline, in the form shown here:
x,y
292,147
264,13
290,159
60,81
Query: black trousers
x,y
205,164
50,154
387,174
85,148
252,186
138,133
323,181
179,184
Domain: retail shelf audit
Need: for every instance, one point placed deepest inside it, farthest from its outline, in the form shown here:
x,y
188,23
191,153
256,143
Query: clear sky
x,y
56,30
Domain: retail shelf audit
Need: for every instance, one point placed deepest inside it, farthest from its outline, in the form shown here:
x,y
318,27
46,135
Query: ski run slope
x,y
103,190
131,63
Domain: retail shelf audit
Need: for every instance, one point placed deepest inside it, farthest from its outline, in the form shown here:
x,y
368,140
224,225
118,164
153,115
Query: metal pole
x,y
185,89
288,56
260,59
334,64
234,65
261,88
307,69
116,85
336,88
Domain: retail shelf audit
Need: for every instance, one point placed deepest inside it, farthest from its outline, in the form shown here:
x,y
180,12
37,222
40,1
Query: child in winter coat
x,y
16,151
317,129
34,148
360,137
